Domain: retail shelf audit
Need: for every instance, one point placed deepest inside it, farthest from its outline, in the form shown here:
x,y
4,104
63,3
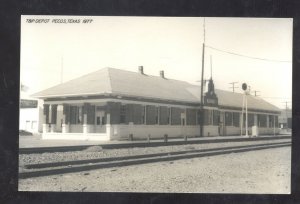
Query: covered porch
x,y
81,121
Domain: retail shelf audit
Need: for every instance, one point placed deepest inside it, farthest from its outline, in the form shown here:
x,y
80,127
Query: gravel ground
x,y
95,152
262,171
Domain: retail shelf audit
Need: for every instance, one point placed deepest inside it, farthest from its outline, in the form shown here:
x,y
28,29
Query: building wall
x,y
76,128
28,119
155,131
160,119
210,130
231,130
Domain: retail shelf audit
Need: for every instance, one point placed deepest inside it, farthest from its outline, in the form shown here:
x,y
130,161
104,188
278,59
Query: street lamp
x,y
245,105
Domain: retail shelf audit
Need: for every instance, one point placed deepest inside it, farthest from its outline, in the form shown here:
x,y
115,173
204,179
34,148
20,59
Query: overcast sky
x,y
172,44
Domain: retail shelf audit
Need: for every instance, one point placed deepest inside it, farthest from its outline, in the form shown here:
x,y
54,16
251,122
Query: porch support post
x,y
145,115
53,117
109,130
66,118
46,118
85,112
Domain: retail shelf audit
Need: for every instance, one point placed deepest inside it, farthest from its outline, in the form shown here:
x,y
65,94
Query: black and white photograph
x,y
155,104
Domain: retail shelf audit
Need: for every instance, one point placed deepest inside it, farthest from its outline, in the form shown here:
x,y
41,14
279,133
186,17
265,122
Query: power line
x,y
282,98
241,55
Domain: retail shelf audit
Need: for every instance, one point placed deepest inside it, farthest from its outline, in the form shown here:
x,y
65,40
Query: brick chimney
x,y
141,69
162,74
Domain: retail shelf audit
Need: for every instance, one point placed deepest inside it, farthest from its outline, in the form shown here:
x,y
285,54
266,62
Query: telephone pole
x,y
202,74
256,92
286,112
233,86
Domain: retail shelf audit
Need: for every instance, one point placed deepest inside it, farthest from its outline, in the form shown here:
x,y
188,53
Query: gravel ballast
x,y
96,152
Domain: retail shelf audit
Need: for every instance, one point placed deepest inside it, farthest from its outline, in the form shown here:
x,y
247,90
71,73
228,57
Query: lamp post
x,y
245,103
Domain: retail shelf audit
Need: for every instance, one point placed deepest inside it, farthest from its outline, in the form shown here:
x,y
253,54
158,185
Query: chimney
x,y
141,69
162,74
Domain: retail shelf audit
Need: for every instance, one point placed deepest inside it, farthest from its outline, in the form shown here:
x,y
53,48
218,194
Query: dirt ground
x,y
261,171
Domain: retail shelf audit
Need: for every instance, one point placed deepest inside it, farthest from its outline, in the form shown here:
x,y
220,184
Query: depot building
x,y
111,104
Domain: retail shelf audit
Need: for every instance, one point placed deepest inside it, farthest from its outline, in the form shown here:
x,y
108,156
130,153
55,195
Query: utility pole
x,y
233,87
202,73
286,114
256,92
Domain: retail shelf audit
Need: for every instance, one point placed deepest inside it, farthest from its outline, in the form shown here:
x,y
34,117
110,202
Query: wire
x,y
257,58
274,98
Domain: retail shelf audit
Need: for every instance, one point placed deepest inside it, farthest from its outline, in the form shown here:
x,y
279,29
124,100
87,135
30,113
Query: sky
x,y
53,51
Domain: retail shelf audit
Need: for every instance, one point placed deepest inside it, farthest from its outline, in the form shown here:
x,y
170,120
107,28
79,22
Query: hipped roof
x,y
134,84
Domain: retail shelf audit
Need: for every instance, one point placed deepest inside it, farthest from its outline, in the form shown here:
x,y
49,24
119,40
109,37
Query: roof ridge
x,y
155,76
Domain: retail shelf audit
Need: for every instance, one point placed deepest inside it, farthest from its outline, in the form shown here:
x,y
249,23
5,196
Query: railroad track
x,y
47,169
153,143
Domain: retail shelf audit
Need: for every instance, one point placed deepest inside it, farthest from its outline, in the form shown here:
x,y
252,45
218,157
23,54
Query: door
x,y
100,121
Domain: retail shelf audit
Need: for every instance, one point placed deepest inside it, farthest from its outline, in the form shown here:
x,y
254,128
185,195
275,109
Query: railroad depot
x,y
111,104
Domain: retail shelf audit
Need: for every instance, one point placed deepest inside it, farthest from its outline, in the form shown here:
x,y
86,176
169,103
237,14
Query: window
x,y
122,114
262,120
98,120
228,118
151,115
250,119
143,115
216,117
191,116
176,116
236,119
199,117
206,117
271,121
157,114
164,115
76,115
103,120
